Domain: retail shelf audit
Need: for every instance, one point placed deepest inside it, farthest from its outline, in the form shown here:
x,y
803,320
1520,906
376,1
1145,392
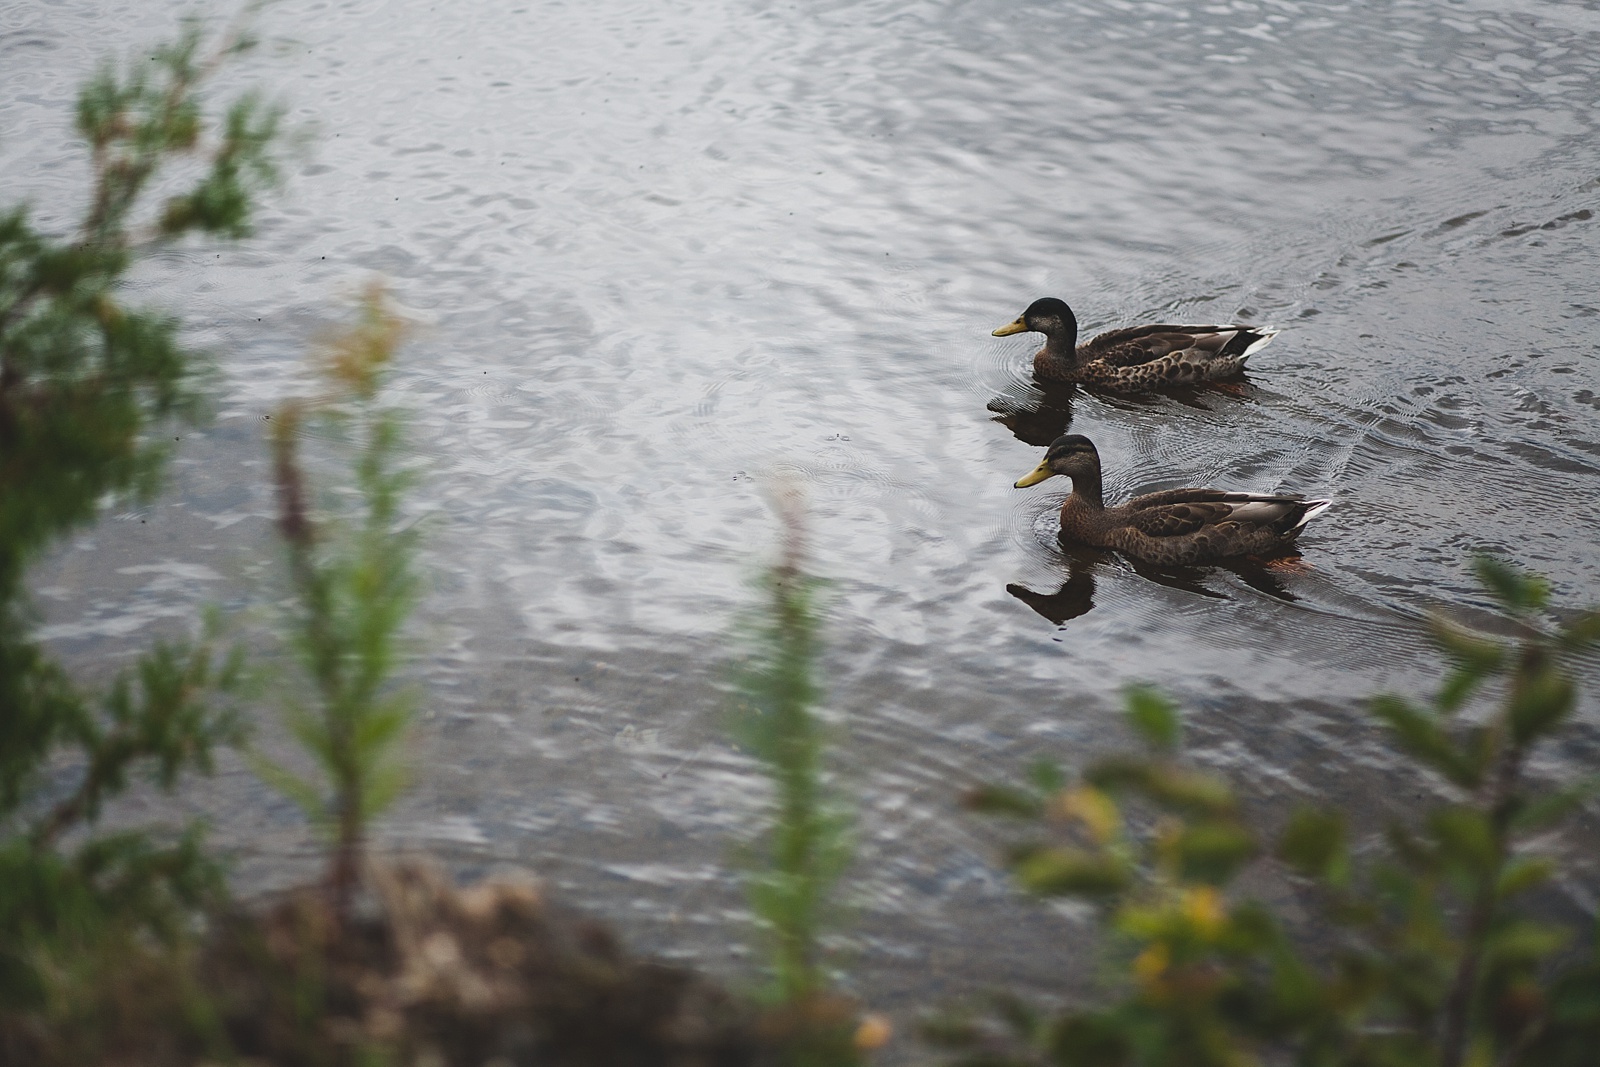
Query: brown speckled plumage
x,y
1136,358
1174,527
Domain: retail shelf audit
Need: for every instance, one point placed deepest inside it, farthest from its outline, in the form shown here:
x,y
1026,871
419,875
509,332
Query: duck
x,y
1175,527
1137,358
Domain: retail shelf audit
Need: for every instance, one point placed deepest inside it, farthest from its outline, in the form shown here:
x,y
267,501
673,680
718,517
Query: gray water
x,y
670,255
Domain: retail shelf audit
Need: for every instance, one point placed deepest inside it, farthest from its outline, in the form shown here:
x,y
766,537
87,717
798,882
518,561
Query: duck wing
x,y
1137,345
1176,512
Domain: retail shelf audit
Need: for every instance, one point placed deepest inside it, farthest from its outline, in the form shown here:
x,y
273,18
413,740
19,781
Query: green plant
x,y
1427,953
805,844
354,586
86,379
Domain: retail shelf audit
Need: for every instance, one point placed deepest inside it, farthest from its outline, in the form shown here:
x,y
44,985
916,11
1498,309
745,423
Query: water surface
x,y
671,254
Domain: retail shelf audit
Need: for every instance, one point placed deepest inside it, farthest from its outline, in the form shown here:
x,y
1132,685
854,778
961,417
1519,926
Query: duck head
x,y
1073,455
1048,316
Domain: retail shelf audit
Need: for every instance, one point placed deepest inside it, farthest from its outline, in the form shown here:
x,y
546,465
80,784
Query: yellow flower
x,y
1203,907
1089,806
1151,964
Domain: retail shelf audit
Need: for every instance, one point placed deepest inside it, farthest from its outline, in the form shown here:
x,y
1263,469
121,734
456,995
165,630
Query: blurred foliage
x,y
805,844
86,382
83,375
1429,947
1427,950
354,585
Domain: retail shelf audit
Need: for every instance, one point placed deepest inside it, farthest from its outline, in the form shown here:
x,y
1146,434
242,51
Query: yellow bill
x,y
1011,327
1035,476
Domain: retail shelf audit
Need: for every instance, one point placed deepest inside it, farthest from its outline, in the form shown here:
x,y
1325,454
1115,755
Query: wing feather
x,y
1138,345
1177,512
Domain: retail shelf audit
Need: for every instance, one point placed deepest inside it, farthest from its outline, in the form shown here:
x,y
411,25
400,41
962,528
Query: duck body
x,y
1182,527
1137,358
1175,527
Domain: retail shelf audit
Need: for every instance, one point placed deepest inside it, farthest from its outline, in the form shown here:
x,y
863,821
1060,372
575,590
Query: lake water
x,y
670,255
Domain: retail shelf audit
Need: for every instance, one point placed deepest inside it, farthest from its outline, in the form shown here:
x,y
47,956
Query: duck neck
x,y
1062,345
1086,490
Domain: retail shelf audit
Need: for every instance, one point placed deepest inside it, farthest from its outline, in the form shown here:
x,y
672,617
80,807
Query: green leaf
x,y
1525,942
1517,590
1153,717
383,784
1190,791
383,724
1213,851
291,785
1421,736
1539,702
1047,777
1315,844
1296,989
1116,773
1481,655
1464,836
1253,929
1582,631
1458,687
1523,874
1063,871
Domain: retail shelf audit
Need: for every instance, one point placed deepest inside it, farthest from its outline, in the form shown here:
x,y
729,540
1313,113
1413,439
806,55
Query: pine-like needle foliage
x,y
355,584
86,380
805,844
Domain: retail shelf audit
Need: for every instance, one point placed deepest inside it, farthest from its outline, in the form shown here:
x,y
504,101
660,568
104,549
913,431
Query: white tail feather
x,y
1313,509
1267,334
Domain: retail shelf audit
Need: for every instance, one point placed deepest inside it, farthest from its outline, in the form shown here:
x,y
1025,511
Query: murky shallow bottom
x,y
669,255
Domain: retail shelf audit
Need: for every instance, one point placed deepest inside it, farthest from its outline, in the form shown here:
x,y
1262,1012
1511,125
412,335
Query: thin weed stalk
x,y
354,584
805,844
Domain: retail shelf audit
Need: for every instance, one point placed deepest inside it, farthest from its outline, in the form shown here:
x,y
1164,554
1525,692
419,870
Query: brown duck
x,y
1139,357
1175,527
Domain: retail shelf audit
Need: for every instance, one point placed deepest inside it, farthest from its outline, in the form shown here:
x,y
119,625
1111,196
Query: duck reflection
x,y
1038,416
1075,597
1040,411
1260,575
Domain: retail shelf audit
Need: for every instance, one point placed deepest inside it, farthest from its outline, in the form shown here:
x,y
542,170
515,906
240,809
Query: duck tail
x,y
1313,508
1257,338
